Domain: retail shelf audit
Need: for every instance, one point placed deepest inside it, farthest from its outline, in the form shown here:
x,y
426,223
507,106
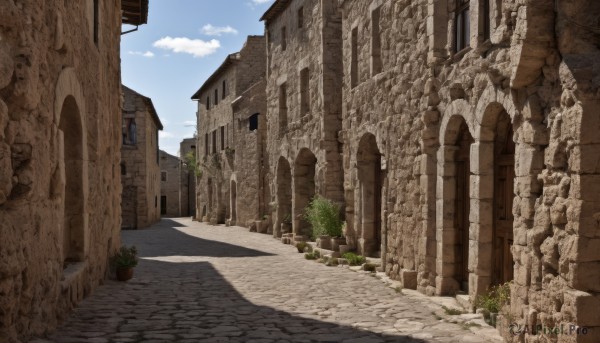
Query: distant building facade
x,y
170,171
140,170
231,139
60,141
187,177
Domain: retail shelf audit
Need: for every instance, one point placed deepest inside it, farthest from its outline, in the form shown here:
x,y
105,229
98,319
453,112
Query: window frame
x,y
461,24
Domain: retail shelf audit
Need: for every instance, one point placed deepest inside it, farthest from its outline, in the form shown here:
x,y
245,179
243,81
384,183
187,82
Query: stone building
x,y
231,139
187,178
60,139
140,169
471,154
304,106
170,171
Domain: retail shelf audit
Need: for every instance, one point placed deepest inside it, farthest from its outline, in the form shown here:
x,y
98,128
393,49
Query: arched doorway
x,y
304,190
368,159
462,207
233,202
71,137
504,175
284,198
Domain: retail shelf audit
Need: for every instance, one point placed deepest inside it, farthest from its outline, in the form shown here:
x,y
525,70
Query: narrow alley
x,y
192,286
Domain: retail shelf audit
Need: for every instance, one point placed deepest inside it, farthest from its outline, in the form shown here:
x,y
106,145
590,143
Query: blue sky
x,y
184,41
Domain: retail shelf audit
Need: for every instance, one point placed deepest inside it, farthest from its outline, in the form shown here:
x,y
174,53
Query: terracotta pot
x,y
124,273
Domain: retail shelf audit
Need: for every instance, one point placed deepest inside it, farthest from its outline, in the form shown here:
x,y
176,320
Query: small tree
x,y
192,165
324,217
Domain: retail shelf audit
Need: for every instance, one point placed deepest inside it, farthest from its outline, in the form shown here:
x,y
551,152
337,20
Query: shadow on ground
x,y
193,302
164,239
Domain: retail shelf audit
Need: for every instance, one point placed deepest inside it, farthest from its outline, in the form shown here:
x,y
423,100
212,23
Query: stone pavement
x,y
200,283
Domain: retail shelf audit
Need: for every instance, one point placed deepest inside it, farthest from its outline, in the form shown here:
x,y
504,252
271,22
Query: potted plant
x,y
324,217
124,261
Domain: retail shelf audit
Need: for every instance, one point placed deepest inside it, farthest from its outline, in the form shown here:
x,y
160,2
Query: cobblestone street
x,y
200,283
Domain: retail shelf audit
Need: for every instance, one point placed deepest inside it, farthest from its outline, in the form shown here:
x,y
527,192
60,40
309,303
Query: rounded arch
x,y
69,117
492,103
304,187
458,109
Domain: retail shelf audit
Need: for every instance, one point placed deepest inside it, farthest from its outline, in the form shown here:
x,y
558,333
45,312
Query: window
x,y
163,175
282,109
375,42
304,91
214,142
462,29
208,102
206,144
300,17
156,201
486,20
283,38
253,122
354,58
224,90
216,96
96,19
222,137
163,204
129,131
123,168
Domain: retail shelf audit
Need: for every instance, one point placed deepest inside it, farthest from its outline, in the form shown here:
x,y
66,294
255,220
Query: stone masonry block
x,y
482,158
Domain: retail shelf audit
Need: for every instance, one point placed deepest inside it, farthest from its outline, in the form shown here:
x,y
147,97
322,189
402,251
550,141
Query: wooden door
x,y
504,175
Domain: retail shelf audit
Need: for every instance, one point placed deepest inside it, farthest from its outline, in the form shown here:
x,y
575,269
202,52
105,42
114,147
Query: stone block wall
x,y
304,55
60,137
140,171
170,172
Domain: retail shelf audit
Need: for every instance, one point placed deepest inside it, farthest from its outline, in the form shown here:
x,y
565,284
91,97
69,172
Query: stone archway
x,y
304,190
284,198
370,177
233,202
72,161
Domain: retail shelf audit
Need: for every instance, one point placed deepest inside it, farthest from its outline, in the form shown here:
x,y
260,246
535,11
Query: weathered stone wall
x,y
304,109
170,167
452,220
219,154
59,158
187,180
140,182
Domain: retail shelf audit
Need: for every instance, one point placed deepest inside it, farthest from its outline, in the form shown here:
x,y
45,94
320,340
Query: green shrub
x,y
125,257
301,246
495,298
353,259
369,267
324,217
310,256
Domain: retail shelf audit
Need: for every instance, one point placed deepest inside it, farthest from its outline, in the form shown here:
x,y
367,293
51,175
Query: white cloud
x,y
259,2
195,47
165,134
210,30
189,123
148,54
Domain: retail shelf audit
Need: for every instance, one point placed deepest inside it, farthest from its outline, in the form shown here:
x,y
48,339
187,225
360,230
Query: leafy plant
x,y
287,219
310,256
452,311
324,217
191,164
125,257
301,246
229,151
495,298
353,259
369,267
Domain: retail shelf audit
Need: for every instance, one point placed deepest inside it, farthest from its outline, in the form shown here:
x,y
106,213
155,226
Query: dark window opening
x,y
253,122
375,42
224,90
354,59
222,137
304,91
123,168
300,17
282,109
216,97
208,102
462,25
283,38
214,142
206,144
163,204
486,20
163,176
